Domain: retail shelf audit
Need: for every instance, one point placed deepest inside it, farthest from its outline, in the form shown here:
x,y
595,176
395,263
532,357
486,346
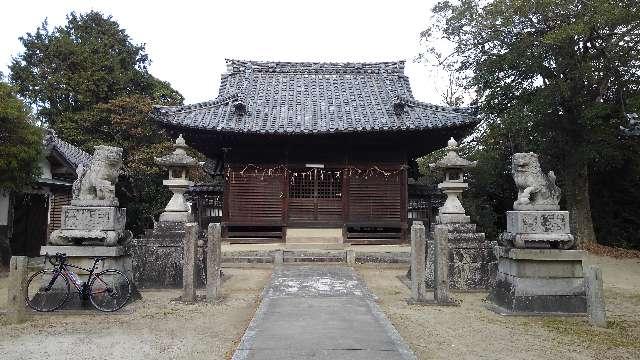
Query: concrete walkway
x,y
320,312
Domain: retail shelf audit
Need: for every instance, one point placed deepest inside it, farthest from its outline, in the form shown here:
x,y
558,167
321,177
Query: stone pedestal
x,y
538,229
471,259
117,258
157,257
539,281
97,225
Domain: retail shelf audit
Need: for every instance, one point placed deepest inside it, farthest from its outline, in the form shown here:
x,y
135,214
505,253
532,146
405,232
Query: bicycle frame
x,y
63,268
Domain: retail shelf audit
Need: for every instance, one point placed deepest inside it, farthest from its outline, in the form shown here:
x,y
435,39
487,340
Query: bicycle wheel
x,y
109,290
43,294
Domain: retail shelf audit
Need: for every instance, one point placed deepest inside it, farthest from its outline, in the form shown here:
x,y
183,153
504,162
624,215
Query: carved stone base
x,y
471,258
157,257
94,225
176,216
539,281
453,219
538,230
89,237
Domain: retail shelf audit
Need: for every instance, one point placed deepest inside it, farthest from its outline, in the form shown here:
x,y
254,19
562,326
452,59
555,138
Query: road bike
x,y
48,289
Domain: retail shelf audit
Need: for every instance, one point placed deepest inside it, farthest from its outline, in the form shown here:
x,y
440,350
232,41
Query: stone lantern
x,y
453,185
178,163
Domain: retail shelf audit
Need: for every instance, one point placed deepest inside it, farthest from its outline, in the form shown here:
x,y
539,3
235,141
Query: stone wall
x,y
157,258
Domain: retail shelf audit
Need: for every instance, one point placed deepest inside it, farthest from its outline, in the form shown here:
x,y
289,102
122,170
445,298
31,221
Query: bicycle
x,y
48,289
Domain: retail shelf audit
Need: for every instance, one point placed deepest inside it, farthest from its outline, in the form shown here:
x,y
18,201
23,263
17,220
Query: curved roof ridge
x,y
391,67
417,103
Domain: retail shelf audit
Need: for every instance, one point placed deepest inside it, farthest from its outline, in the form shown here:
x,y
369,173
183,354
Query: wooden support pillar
x,y
214,255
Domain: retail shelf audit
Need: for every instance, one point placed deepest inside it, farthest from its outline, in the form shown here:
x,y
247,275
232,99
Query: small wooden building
x,y
29,216
313,148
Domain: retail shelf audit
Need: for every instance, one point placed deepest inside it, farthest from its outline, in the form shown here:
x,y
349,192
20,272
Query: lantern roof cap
x,y
452,160
179,157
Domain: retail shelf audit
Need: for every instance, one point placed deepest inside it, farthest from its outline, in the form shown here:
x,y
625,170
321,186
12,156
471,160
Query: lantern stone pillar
x,y
465,259
160,252
453,185
178,163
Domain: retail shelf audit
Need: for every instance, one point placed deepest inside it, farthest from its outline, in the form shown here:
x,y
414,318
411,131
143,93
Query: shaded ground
x,y
153,328
472,332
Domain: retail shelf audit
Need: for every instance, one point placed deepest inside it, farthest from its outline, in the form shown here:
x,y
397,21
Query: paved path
x,y
320,312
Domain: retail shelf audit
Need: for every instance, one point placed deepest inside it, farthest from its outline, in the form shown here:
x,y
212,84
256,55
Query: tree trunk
x,y
576,192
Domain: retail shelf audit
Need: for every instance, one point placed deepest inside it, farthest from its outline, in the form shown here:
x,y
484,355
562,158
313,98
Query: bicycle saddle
x,y
98,258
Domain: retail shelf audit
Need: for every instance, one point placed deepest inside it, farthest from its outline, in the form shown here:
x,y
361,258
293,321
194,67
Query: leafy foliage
x,y
89,61
20,142
90,83
553,77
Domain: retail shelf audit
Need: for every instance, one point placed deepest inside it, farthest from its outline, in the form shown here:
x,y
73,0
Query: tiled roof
x,y
72,154
299,98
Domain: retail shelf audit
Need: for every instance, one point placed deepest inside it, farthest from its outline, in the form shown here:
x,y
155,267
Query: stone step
x,y
314,256
315,246
314,236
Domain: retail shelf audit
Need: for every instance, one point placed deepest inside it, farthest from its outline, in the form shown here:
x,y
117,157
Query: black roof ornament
x,y
239,107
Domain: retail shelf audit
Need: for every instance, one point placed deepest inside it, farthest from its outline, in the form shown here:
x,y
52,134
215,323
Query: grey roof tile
x,y
72,154
301,98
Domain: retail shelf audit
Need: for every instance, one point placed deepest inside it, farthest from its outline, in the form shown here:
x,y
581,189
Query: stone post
x,y
189,262
214,253
278,257
441,266
418,243
350,255
18,271
595,296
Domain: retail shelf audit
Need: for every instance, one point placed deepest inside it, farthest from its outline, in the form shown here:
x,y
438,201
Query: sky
x,y
188,41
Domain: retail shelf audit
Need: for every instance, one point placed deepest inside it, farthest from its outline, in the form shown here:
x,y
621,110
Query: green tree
x,y
554,77
20,142
88,81
126,122
90,60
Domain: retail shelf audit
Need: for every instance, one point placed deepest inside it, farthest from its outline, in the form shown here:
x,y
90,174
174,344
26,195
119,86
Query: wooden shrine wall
x,y
366,195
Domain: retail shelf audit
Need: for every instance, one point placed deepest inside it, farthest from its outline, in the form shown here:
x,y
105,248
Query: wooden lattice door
x,y
315,197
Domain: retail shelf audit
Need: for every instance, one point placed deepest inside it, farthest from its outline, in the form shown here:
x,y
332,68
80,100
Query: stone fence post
x,y
16,293
189,262
595,296
214,255
418,244
441,266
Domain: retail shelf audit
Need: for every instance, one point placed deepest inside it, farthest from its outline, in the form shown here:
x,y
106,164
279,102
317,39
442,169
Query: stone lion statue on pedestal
x,y
96,181
536,191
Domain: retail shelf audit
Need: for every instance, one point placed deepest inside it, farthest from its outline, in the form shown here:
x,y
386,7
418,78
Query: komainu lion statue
x,y
94,218
96,181
536,191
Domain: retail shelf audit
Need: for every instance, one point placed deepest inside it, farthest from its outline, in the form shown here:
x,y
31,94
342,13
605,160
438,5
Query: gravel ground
x,y
472,332
159,328
155,327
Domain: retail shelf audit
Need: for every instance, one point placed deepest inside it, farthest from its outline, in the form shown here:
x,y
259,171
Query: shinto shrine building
x,y
311,150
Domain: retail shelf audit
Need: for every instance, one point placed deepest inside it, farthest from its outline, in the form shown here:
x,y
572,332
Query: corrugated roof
x,y
299,98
